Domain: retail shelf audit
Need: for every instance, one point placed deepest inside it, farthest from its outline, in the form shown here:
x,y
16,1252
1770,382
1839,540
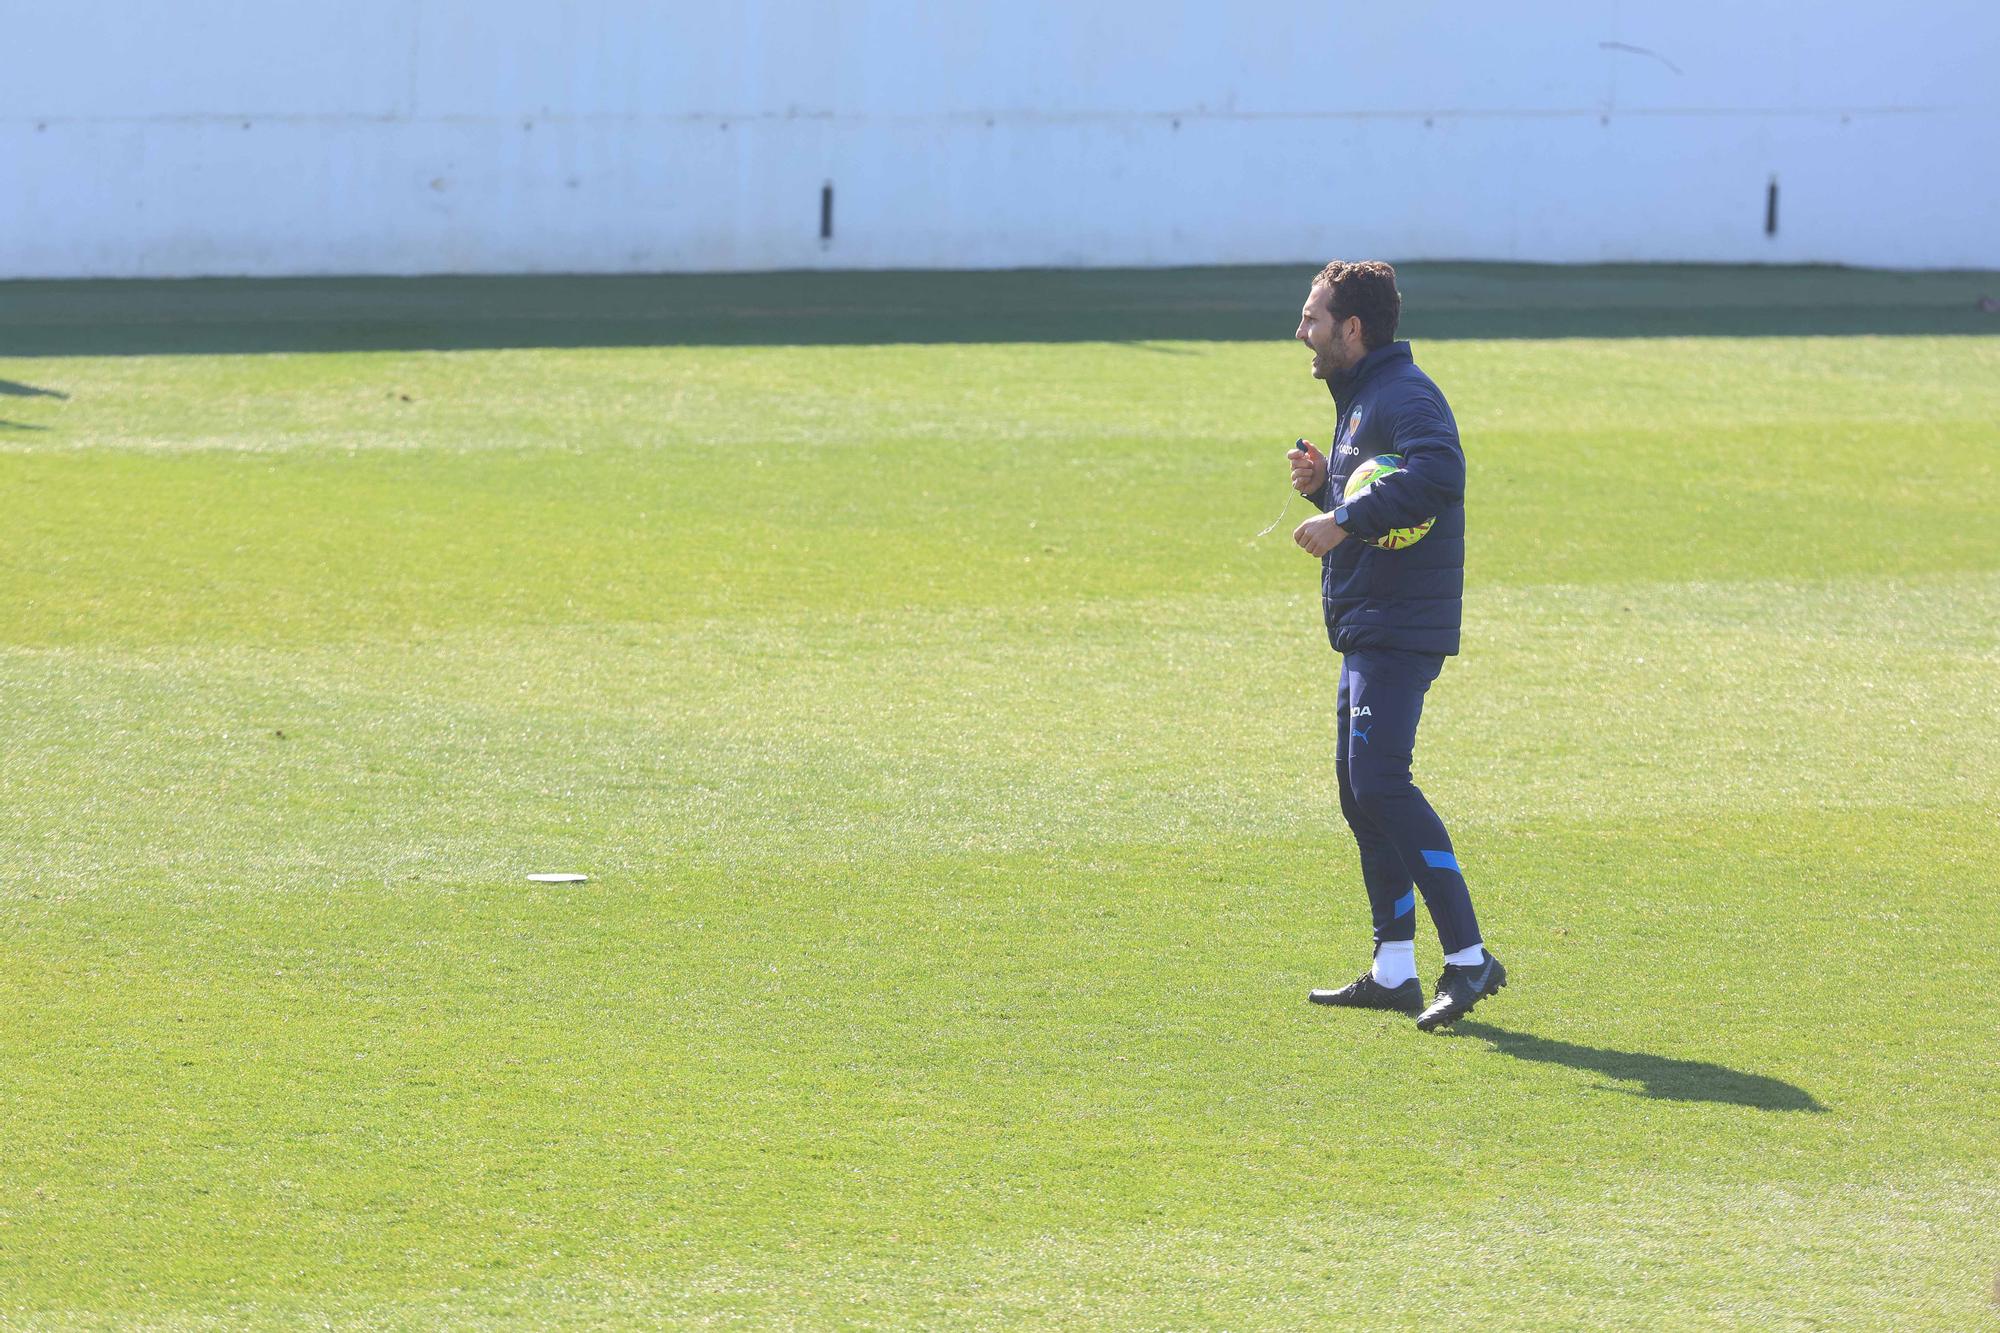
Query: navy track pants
x,y
1403,843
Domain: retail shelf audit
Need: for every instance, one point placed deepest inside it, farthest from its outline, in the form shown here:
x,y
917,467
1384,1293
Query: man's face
x,y
1336,345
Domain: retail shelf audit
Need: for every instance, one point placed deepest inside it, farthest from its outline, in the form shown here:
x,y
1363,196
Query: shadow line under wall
x,y
1664,1078
16,389
1250,304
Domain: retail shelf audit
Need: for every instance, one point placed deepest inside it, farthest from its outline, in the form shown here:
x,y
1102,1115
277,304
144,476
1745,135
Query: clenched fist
x,y
1319,535
1308,467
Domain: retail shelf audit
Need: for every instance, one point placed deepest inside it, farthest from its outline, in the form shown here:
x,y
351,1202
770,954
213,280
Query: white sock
x,y
1395,962
1470,956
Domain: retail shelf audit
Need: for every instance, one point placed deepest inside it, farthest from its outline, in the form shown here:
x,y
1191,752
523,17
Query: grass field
x,y
953,773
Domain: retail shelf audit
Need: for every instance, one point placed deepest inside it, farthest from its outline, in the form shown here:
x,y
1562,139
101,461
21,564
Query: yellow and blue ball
x,y
1365,475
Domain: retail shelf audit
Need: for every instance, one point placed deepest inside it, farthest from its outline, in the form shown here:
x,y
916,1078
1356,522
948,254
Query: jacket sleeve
x,y
1322,499
1432,478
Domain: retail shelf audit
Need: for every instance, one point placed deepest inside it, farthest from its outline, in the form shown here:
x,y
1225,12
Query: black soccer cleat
x,y
1364,992
1461,987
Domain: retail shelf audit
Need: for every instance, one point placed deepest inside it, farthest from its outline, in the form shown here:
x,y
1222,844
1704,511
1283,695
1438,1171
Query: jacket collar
x,y
1345,386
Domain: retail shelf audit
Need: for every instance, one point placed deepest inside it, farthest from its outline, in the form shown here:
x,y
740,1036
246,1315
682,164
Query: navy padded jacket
x,y
1411,599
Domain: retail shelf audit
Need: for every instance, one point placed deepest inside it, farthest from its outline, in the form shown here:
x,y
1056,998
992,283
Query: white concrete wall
x,y
426,136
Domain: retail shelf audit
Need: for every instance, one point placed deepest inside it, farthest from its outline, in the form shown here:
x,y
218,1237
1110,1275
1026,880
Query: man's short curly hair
x,y
1367,290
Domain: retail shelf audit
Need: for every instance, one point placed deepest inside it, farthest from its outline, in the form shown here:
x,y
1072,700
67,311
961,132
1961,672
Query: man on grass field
x,y
1391,584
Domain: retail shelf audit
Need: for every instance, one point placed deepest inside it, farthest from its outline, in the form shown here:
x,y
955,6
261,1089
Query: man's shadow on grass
x,y
1664,1079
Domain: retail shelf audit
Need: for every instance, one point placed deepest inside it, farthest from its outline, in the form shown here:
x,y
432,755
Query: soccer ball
x,y
1366,475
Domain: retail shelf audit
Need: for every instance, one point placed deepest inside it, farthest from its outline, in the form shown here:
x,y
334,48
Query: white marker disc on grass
x,y
559,879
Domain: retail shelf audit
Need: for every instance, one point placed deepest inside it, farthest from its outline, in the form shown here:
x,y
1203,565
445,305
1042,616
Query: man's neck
x,y
1341,383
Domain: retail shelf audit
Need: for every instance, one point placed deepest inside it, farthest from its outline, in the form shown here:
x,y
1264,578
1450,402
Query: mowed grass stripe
x,y
1051,474
956,1055
821,737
